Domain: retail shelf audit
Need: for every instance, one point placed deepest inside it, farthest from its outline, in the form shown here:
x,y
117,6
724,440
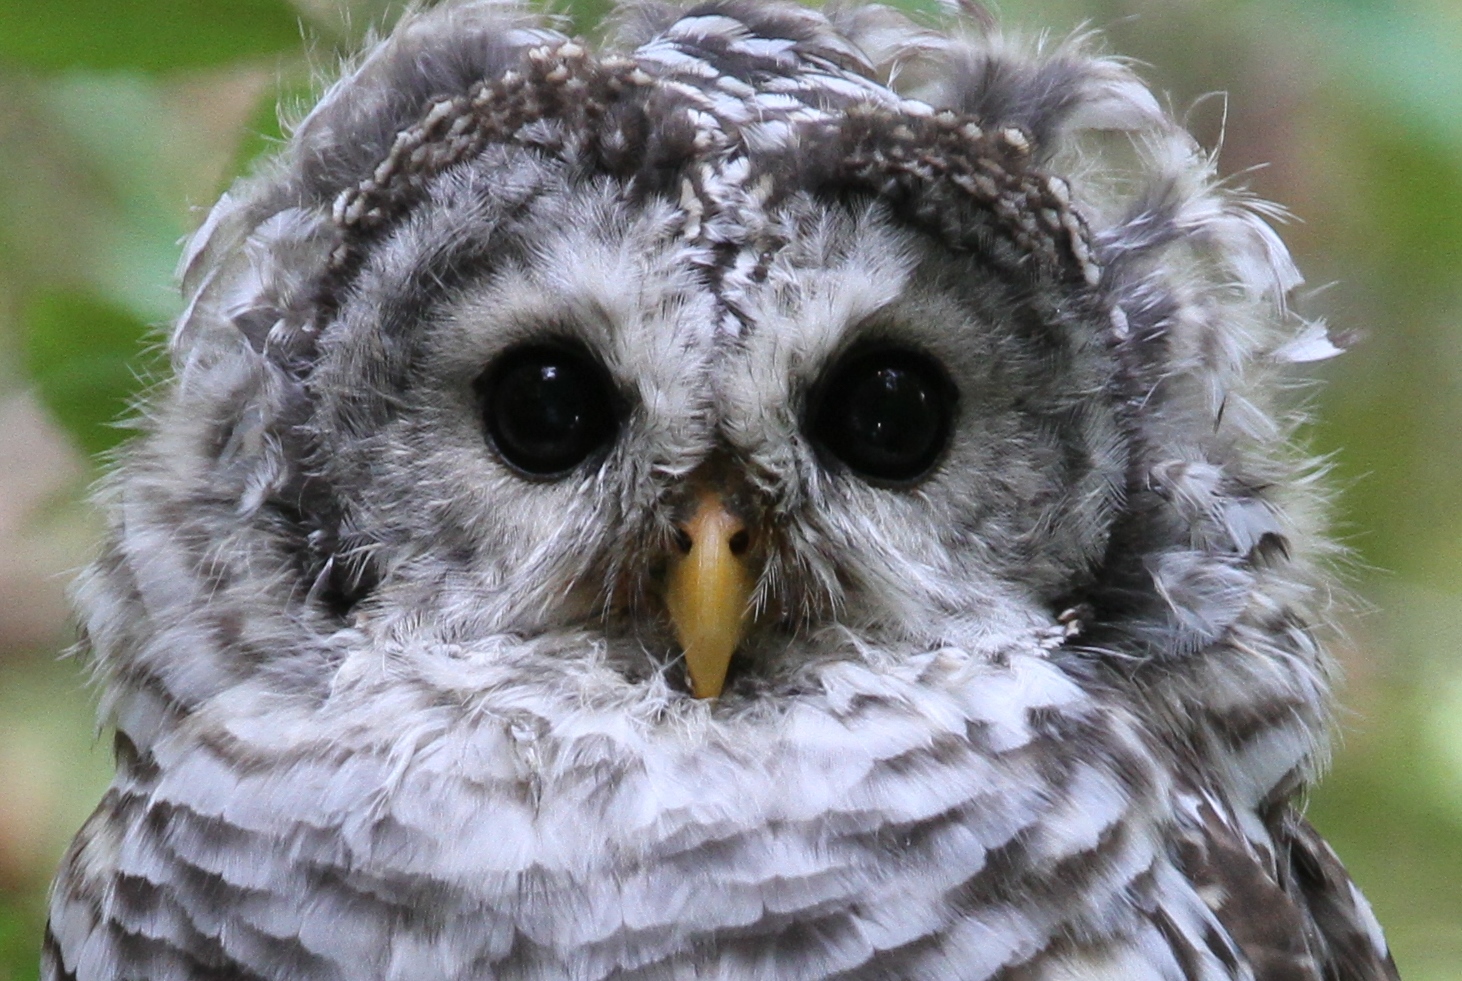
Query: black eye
x,y
547,409
885,413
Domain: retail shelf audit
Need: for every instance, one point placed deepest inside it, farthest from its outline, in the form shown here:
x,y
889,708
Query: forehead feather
x,y
739,111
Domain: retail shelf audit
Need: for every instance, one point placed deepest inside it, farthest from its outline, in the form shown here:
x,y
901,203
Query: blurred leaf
x,y
1392,417
97,174
1405,54
264,133
1414,180
20,932
80,352
1395,839
151,35
55,769
585,16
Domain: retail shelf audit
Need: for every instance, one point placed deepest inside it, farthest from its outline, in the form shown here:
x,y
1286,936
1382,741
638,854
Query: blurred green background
x,y
121,119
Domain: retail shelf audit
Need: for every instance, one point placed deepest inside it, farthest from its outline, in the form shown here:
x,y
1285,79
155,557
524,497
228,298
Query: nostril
x,y
682,541
739,542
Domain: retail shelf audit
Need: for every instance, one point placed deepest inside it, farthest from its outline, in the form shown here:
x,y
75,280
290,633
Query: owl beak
x,y
708,592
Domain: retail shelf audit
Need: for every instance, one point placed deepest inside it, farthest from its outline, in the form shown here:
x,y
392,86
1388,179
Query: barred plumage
x,y
1026,679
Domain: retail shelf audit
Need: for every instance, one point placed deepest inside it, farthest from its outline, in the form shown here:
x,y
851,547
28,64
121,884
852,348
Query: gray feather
x,y
386,708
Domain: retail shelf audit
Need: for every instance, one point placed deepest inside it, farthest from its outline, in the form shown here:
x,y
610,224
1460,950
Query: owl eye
x,y
547,409
886,414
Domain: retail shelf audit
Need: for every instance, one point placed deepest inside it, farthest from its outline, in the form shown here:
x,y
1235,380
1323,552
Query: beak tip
x,y
708,690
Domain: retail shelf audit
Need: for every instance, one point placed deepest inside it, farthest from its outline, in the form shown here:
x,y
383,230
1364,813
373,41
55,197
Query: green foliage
x,y
147,35
1360,100
1398,841
1403,260
22,921
585,16
85,357
264,133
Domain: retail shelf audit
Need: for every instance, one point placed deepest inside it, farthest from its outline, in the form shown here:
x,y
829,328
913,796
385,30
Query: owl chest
x,y
526,860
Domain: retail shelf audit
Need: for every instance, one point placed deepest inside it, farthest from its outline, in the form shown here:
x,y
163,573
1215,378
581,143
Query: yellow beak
x,y
709,594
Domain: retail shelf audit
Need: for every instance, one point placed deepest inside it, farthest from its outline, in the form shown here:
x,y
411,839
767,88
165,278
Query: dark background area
x,y
120,121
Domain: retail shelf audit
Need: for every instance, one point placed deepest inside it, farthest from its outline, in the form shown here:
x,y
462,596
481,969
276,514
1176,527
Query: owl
x,y
775,495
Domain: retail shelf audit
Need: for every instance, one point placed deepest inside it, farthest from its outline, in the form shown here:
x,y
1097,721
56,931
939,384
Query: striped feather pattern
x,y
385,709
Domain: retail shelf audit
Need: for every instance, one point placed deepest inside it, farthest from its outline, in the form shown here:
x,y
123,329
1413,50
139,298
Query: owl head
x,y
686,374
771,494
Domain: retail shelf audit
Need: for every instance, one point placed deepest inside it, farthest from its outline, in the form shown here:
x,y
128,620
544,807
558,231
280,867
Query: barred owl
x,y
781,495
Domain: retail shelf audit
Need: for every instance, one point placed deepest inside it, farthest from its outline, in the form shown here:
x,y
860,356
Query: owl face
x,y
788,495
903,446
726,356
